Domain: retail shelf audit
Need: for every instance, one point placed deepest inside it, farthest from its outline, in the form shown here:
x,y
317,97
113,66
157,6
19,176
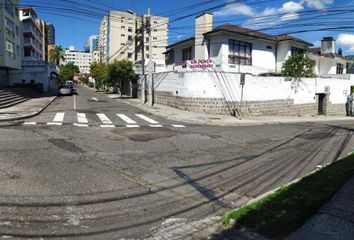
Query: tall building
x,y
91,44
10,40
51,34
32,34
80,59
117,39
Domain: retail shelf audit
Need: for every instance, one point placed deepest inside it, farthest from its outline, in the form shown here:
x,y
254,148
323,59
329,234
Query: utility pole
x,y
142,45
150,75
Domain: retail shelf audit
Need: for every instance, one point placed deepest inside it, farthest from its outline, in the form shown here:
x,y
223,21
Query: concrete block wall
x,y
220,93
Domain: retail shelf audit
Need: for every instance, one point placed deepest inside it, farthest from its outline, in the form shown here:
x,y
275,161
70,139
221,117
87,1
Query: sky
x,y
76,20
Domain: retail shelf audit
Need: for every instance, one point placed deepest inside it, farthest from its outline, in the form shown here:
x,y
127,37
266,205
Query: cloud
x,y
290,7
317,4
345,39
351,49
289,16
233,9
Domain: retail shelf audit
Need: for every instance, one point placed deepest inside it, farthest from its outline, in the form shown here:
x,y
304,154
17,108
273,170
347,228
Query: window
x,y
187,54
240,52
130,29
122,35
123,27
10,27
155,38
340,68
17,31
130,55
9,7
147,39
295,51
10,49
147,48
130,37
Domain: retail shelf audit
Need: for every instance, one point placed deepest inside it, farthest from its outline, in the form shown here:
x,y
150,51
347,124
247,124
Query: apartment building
x,y
117,39
51,34
91,44
10,40
32,34
80,59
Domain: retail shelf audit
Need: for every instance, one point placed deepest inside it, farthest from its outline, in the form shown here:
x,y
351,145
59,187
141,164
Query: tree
x,y
121,73
56,55
68,71
340,51
99,73
298,66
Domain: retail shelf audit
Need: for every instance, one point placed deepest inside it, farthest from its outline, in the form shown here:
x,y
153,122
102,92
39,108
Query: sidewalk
x,y
27,109
334,221
219,120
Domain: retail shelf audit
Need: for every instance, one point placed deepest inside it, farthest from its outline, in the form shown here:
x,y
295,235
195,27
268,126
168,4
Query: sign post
x,y
242,83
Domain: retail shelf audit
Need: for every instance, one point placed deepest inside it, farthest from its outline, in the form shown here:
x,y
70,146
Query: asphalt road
x,y
80,171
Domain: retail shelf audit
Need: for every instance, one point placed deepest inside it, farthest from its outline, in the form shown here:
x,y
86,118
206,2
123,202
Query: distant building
x,y
91,44
51,34
117,37
32,34
80,59
10,40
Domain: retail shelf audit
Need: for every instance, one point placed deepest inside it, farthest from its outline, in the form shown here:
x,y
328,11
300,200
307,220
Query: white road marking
x,y
54,123
156,126
80,125
104,119
132,126
146,118
126,119
59,117
94,99
178,126
29,123
108,126
81,118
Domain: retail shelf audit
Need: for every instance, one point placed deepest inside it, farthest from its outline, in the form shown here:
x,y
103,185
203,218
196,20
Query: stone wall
x,y
249,108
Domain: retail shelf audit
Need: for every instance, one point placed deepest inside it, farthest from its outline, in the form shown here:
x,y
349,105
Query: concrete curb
x,y
32,114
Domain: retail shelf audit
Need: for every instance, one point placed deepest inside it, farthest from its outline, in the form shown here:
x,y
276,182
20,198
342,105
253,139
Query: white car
x,y
65,90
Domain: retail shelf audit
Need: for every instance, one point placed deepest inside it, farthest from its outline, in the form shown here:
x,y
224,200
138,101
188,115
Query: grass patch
x,y
282,212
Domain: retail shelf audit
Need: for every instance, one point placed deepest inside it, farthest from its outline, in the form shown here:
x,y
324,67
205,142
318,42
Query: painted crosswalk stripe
x,y
132,126
29,123
107,126
59,117
80,125
126,119
178,126
156,126
104,119
81,118
146,118
54,123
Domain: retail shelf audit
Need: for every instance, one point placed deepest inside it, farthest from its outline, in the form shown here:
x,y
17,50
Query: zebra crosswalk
x,y
101,120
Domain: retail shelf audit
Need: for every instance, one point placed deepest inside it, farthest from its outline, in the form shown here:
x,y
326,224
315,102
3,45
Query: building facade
x,y
51,34
91,44
32,35
10,40
80,59
231,48
118,37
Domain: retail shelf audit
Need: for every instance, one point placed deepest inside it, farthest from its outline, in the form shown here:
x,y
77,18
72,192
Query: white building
x,y
117,38
32,35
232,48
91,44
80,59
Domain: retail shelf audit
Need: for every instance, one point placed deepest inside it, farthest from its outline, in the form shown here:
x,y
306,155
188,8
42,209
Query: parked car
x,y
70,84
65,90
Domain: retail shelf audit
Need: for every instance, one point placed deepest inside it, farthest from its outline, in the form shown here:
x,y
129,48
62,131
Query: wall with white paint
x,y
226,86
